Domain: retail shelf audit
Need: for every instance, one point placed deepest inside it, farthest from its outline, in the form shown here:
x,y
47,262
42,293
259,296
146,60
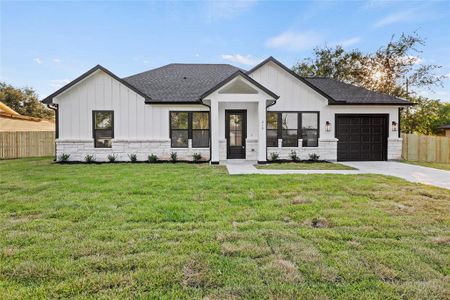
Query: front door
x,y
235,133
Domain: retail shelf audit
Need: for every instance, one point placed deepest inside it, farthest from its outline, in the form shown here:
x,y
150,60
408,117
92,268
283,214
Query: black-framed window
x,y
103,128
289,132
291,126
310,129
185,125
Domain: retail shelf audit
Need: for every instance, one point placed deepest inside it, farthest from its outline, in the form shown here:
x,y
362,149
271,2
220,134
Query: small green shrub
x,y
152,158
112,158
196,157
133,157
293,155
274,156
173,157
63,158
89,158
314,157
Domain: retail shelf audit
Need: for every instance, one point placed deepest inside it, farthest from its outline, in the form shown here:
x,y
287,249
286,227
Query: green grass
x,y
304,166
442,166
192,231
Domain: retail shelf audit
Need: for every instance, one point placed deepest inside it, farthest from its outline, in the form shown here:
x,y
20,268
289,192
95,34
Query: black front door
x,y
235,132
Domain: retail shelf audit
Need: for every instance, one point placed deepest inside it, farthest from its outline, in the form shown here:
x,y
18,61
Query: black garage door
x,y
361,137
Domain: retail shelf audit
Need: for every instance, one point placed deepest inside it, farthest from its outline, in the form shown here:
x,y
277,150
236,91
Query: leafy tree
x,y
24,101
394,69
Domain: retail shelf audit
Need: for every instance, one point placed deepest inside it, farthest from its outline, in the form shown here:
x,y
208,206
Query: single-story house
x,y
10,120
224,112
445,129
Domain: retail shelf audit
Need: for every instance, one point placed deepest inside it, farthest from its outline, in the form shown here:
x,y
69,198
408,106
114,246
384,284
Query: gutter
x,y
267,106
209,120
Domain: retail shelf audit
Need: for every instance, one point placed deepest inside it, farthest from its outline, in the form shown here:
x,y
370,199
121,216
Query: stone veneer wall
x,y
327,150
78,149
394,148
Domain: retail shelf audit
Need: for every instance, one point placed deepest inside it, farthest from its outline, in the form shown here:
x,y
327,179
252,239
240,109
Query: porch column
x,y
214,132
262,156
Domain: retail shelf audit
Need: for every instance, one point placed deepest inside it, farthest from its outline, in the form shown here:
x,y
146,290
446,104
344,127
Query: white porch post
x,y
214,131
262,156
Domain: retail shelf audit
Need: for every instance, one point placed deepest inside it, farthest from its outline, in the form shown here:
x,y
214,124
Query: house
x,y
10,120
224,112
446,130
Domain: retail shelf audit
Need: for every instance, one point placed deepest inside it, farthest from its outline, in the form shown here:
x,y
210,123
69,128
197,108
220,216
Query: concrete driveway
x,y
413,173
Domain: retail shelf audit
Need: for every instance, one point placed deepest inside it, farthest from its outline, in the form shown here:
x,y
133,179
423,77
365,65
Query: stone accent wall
x,y
327,150
78,149
251,149
394,148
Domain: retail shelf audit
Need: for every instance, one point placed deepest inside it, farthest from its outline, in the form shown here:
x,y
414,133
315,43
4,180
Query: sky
x,y
45,45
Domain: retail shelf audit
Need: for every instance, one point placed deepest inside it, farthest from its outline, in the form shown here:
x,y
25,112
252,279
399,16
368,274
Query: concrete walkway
x,y
413,173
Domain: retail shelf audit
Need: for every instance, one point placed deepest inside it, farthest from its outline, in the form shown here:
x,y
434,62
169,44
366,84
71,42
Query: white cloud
x,y
56,60
58,83
294,41
349,42
217,10
38,60
197,55
403,16
241,59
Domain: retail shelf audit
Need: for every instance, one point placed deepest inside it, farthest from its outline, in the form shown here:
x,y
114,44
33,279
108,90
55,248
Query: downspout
x,y
55,108
209,120
267,106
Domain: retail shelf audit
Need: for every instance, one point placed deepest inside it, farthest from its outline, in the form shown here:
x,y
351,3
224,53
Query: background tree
x,y
24,101
394,69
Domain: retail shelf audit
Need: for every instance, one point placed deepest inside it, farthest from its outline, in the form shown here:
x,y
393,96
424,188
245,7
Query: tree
x,y
24,101
394,69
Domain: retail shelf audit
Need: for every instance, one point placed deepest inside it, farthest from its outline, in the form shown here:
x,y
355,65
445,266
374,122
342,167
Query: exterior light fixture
x,y
394,126
327,126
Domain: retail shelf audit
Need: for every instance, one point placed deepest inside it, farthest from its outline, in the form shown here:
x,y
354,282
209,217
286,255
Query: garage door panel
x,y
361,137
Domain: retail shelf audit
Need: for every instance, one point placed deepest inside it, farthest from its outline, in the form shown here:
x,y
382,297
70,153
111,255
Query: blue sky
x,y
46,44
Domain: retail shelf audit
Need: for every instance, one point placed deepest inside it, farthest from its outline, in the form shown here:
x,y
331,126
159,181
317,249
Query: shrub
x,y
64,157
293,155
89,158
274,156
152,158
173,157
314,157
133,157
196,157
112,157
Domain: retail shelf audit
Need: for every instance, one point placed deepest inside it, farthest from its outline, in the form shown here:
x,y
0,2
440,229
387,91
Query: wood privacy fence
x,y
16,144
426,148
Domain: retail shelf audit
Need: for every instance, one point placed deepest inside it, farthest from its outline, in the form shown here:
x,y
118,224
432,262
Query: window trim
x,y
93,126
190,129
299,126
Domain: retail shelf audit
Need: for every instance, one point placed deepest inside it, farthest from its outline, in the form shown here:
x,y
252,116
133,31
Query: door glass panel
x,y
235,122
236,129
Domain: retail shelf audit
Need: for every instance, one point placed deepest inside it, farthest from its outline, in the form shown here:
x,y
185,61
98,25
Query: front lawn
x,y
192,231
304,166
442,166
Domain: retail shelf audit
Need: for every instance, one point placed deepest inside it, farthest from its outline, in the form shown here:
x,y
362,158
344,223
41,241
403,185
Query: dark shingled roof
x,y
180,82
344,93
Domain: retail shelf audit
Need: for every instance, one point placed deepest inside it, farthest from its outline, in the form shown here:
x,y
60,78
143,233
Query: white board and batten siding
x,y
138,127
297,96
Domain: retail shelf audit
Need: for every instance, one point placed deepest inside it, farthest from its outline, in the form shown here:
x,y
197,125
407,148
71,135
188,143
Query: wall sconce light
x,y
327,126
394,126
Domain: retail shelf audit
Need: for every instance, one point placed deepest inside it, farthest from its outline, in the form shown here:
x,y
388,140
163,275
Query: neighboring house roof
x,y
445,126
338,92
10,120
181,83
189,83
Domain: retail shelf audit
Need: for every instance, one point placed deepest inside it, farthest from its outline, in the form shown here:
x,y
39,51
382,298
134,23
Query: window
x,y
272,129
189,125
289,122
103,128
179,129
291,126
310,130
200,129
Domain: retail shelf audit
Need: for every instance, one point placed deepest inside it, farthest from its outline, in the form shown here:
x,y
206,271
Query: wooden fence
x,y
16,144
426,148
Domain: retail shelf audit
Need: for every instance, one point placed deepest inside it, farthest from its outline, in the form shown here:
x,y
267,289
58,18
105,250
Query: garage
x,y
362,137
